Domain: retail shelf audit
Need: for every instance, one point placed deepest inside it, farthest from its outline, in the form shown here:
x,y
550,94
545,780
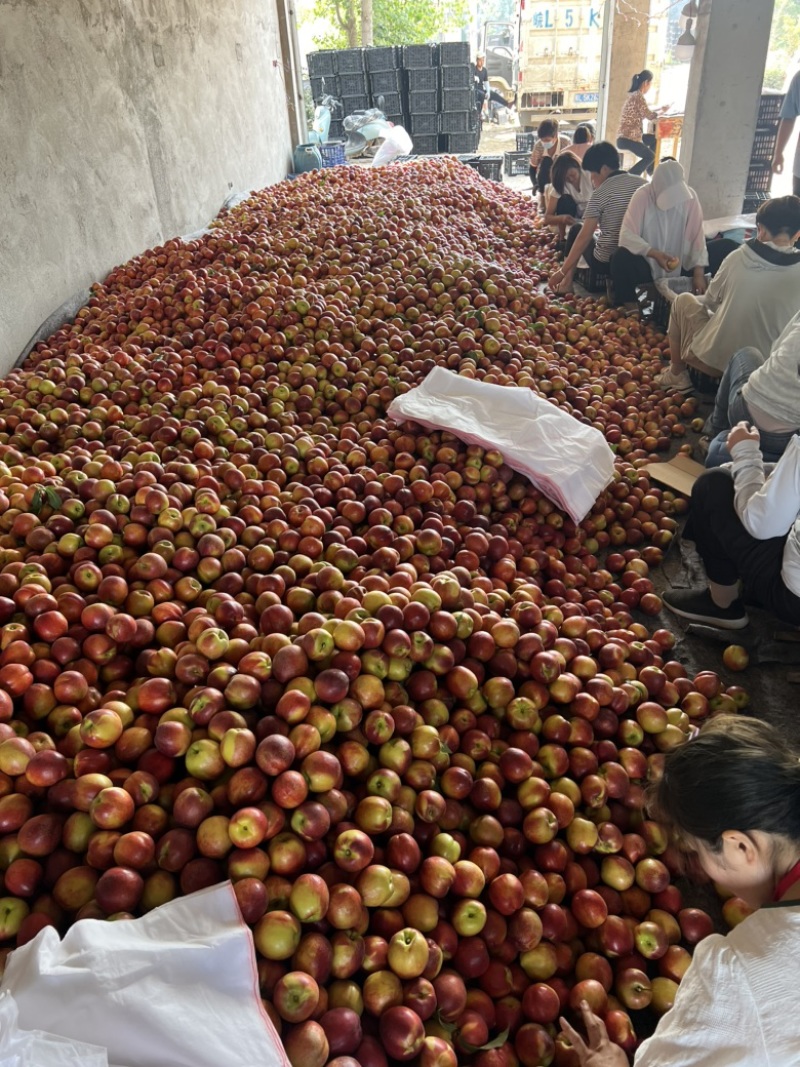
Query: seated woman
x,y
763,392
662,237
749,303
582,141
745,523
548,145
731,796
568,194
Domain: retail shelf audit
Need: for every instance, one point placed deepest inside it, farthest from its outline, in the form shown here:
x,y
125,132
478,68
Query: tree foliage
x,y
395,21
784,43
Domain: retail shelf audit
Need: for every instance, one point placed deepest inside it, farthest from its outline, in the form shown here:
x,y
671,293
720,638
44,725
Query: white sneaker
x,y
673,382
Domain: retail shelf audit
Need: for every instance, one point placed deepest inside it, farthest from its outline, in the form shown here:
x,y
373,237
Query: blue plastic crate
x,y
332,153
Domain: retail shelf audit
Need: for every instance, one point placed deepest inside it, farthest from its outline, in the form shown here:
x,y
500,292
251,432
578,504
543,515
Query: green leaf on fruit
x,y
37,500
53,499
496,1042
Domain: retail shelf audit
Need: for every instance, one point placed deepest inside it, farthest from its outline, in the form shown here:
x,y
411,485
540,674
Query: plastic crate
x,y
423,103
332,153
753,201
418,56
455,77
423,81
525,142
350,61
336,129
457,121
392,103
398,120
453,53
458,99
516,163
427,145
470,160
385,58
459,143
764,144
426,124
322,64
328,85
354,103
385,81
591,280
769,108
352,85
759,178
491,167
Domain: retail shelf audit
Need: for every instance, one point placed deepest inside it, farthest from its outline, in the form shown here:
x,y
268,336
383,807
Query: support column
x,y
625,40
722,103
292,69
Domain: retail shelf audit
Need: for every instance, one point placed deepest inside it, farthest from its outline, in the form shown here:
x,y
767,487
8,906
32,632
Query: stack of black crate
x,y
421,81
385,79
759,175
353,85
458,132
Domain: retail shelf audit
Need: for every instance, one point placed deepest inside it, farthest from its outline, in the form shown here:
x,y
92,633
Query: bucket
x,y
306,157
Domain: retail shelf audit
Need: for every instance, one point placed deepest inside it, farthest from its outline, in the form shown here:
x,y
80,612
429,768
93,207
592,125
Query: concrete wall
x,y
124,123
627,56
722,105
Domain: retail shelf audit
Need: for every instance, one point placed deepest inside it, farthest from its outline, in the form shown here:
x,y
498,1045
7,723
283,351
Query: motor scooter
x,y
326,110
365,129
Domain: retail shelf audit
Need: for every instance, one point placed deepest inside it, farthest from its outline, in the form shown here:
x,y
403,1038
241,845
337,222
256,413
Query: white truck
x,y
548,59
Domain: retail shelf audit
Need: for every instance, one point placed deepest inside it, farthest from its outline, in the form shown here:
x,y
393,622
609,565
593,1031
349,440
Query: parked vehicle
x,y
548,59
327,109
365,130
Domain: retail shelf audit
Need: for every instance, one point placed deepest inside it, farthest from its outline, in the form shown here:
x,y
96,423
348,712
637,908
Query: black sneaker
x,y
696,605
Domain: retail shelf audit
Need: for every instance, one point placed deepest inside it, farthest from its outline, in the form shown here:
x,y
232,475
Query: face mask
x,y
548,144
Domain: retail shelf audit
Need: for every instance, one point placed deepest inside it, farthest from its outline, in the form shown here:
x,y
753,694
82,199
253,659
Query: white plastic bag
x,y
568,461
33,1048
176,988
397,142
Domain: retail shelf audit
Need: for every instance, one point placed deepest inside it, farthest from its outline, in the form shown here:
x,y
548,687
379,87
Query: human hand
x,y
597,1050
699,283
557,277
568,220
742,431
663,260
777,163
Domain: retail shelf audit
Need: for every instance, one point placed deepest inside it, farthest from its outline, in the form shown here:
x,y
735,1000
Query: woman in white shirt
x,y
745,523
568,194
764,392
733,797
662,237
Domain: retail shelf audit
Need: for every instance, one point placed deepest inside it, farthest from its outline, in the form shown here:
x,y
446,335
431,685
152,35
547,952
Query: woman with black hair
x,y
732,798
630,135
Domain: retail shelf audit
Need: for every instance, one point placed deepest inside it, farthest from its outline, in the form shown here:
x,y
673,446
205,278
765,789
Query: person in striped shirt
x,y
597,237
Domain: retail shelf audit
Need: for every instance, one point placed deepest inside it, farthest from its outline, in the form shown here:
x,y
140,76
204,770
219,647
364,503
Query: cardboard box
x,y
679,473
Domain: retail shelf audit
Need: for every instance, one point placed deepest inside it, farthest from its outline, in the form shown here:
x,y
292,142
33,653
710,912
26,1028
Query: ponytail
x,y
639,79
737,774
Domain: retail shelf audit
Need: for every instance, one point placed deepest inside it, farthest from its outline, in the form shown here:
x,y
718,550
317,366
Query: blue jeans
x,y
730,408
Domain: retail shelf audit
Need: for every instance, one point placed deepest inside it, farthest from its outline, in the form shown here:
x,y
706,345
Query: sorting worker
x,y
732,795
597,238
662,237
748,304
630,135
